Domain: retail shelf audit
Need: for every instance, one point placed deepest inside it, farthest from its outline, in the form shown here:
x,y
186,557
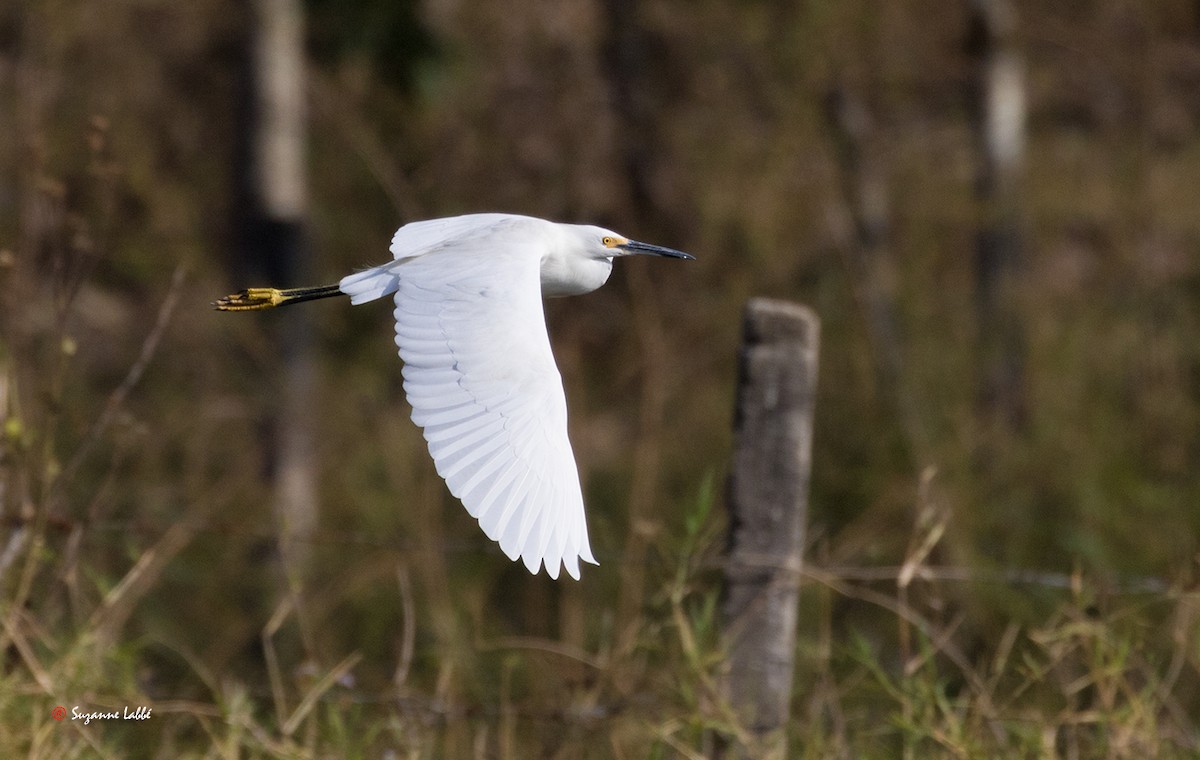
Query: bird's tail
x,y
370,284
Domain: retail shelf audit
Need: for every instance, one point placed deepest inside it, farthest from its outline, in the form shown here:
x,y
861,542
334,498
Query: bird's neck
x,y
563,276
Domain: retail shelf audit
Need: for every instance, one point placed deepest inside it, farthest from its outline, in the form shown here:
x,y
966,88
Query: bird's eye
x,y
609,242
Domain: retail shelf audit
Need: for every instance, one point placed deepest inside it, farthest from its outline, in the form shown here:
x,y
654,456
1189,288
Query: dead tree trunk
x,y
625,68
768,502
998,102
269,222
865,241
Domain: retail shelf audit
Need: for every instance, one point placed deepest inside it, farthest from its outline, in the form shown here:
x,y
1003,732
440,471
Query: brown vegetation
x,y
973,590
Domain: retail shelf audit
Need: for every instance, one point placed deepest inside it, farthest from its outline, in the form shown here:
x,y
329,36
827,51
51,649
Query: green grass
x,y
1079,683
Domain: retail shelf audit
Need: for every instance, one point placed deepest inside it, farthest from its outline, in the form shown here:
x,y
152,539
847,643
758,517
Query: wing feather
x,y
494,516
481,379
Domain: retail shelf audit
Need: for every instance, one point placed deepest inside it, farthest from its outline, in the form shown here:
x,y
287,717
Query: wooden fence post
x,y
768,501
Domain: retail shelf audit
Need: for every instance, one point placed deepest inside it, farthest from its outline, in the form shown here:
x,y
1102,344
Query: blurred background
x,y
991,206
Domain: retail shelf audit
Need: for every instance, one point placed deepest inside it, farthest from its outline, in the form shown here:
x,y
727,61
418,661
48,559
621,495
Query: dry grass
x,y
893,662
139,563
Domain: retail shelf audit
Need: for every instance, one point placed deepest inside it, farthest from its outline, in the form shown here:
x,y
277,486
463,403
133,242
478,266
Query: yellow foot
x,y
251,298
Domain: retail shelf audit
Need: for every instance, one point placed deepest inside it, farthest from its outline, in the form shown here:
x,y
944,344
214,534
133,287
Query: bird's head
x,y
581,258
598,242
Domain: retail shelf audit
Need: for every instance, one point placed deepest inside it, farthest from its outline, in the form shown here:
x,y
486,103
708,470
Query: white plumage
x,y
478,369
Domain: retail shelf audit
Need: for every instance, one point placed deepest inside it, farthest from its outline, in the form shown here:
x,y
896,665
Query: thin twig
x,y
317,691
532,643
952,652
119,395
1013,576
378,159
27,654
408,634
118,603
273,672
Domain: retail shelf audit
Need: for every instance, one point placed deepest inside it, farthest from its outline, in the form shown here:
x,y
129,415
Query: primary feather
x,y
481,378
478,370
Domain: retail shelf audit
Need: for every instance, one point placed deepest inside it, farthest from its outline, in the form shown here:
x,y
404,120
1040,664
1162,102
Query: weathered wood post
x,y
768,501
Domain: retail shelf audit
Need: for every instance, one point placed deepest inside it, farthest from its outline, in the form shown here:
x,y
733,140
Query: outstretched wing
x,y
481,379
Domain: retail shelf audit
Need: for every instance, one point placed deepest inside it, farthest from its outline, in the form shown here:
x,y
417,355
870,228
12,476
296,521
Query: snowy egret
x,y
478,370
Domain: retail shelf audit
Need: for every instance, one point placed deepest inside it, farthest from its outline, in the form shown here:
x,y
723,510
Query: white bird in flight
x,y
478,370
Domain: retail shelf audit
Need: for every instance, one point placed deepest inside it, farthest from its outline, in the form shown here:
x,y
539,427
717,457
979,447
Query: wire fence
x,y
1112,583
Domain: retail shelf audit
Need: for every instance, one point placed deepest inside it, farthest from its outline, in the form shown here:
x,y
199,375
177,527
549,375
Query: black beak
x,y
634,247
